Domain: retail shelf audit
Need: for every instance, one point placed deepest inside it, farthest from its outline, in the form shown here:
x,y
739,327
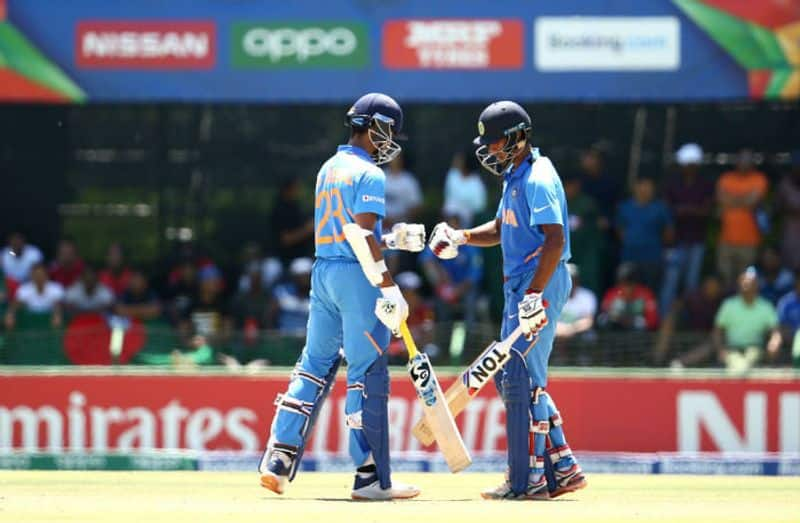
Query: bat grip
x,y
411,347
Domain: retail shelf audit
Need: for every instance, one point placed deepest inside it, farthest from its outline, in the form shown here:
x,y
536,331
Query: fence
x,y
100,340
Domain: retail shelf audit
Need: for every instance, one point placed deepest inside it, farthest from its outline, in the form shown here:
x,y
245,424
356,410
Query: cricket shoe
x,y
276,473
535,491
369,489
568,480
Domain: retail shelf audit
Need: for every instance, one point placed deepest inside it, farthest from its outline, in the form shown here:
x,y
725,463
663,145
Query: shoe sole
x,y
271,483
572,487
535,497
357,497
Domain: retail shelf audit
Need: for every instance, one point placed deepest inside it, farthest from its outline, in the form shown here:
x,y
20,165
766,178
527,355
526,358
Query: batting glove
x,y
392,308
406,237
532,315
445,240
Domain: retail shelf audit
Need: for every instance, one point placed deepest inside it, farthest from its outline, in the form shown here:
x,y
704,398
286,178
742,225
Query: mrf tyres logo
x,y
288,45
104,44
484,368
453,44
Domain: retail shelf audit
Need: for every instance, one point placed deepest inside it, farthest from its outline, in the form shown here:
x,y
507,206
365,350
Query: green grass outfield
x,y
143,497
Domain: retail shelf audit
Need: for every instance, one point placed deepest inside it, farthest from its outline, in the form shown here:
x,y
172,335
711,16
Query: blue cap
x,y
366,107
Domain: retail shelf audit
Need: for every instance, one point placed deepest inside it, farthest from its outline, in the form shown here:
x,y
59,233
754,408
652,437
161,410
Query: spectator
x,y
88,294
587,244
739,194
182,291
116,275
787,200
19,257
250,307
207,313
291,301
67,268
694,313
577,316
294,227
464,189
691,201
455,281
420,320
789,316
37,296
644,225
138,300
596,183
774,280
628,305
742,325
270,268
403,195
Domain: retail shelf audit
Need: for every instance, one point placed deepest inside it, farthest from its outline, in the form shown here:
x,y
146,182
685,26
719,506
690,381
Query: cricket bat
x,y
437,416
469,383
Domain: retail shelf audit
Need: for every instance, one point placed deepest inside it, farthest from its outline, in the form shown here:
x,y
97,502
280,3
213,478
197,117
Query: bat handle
x,y
411,347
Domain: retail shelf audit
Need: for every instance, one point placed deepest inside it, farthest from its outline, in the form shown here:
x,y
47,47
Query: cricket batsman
x,y
531,227
348,278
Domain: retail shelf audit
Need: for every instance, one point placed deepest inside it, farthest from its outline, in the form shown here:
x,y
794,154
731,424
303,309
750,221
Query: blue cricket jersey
x,y
532,196
349,183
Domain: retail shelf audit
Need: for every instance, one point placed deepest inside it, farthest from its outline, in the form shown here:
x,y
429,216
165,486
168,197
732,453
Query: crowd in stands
x,y
642,263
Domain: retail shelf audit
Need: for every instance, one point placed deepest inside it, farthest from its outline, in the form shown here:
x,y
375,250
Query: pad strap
x,y
537,462
540,427
557,453
291,450
319,382
556,420
289,404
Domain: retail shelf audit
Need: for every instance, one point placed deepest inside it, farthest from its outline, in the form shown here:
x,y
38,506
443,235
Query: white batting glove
x,y
532,315
392,308
406,237
445,240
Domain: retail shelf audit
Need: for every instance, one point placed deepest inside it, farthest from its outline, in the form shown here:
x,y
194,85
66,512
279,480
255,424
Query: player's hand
x,y
392,308
406,237
445,240
532,315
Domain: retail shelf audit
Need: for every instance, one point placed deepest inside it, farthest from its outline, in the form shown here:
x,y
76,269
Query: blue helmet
x,y
504,119
382,118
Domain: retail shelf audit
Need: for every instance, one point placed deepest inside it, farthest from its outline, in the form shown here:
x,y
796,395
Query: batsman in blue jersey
x,y
531,227
354,306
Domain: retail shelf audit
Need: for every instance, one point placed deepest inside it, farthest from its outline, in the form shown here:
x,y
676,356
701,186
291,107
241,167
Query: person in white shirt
x,y
403,195
18,258
578,314
464,191
88,294
38,296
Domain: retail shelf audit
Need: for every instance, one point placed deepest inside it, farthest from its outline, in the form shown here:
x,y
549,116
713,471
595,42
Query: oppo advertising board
x,y
63,413
316,51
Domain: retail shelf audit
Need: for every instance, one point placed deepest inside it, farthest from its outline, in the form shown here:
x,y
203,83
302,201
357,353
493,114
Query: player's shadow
x,y
415,500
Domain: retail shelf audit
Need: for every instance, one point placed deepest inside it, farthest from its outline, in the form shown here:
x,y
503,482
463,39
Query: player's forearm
x,y
377,255
552,248
486,235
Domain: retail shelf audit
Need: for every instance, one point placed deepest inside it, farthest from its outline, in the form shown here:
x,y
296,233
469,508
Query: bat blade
x,y
438,418
470,383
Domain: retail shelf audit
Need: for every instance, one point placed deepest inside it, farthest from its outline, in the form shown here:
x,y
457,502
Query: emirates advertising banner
x,y
419,51
137,413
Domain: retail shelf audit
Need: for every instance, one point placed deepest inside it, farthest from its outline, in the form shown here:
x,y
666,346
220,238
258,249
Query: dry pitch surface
x,y
143,497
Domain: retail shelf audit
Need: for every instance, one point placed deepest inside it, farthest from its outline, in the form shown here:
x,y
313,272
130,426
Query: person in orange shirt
x,y
739,193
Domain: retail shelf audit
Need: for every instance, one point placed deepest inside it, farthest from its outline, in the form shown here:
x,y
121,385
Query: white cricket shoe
x,y
374,492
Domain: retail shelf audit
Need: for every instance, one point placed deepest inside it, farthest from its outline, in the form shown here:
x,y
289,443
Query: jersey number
x,y
327,197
